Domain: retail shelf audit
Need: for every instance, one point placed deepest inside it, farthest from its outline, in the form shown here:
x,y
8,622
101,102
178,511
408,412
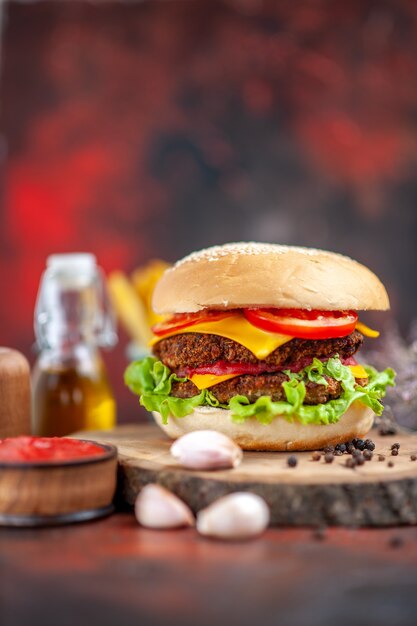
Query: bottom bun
x,y
280,435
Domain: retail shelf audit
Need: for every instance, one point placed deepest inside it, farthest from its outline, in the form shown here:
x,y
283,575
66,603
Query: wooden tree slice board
x,y
313,493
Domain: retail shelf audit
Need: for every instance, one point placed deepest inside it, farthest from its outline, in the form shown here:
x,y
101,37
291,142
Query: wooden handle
x,y
14,394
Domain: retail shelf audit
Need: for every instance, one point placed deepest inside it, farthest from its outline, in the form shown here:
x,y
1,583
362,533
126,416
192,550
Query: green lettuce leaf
x,y
152,381
314,372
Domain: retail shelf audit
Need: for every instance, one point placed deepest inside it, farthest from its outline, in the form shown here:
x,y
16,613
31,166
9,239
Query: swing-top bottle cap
x,y
69,262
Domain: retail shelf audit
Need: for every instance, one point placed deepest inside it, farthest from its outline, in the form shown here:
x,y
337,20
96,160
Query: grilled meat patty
x,y
196,349
253,387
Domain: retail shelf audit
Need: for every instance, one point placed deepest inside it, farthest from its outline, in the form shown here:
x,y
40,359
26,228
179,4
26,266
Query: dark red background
x,y
152,129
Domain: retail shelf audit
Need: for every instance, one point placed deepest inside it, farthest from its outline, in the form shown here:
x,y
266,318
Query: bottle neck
x,y
73,308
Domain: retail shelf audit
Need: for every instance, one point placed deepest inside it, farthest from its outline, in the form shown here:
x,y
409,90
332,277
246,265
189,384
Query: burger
x,y
259,342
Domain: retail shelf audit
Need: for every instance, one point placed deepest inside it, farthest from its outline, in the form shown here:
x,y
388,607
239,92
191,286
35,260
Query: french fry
x,y
144,280
129,308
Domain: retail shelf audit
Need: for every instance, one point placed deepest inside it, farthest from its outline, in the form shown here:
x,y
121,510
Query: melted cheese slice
x,y
365,330
203,381
358,371
259,342
237,328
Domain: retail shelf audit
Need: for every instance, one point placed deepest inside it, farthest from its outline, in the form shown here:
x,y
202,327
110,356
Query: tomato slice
x,y
183,320
302,323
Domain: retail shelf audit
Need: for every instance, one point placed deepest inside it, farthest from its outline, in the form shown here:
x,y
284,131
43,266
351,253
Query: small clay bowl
x,y
50,492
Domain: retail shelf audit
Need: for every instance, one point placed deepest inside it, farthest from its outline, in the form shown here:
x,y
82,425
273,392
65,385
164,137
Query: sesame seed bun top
x,y
252,274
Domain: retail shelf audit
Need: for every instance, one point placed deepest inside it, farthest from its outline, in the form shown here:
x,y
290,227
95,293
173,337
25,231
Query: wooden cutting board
x,y
313,493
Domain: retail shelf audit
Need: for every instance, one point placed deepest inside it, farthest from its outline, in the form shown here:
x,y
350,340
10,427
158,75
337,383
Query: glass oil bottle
x,y
73,320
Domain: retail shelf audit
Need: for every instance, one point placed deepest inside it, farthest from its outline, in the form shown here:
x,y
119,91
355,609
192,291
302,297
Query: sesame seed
x,y
248,248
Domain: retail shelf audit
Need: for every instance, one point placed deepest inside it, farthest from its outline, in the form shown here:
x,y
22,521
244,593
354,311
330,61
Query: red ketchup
x,y
220,368
35,449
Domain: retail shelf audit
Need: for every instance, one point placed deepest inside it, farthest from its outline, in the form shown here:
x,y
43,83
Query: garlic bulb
x,y
239,515
206,450
156,507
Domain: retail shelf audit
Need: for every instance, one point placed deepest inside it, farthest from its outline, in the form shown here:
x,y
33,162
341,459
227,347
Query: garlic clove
x,y
156,507
206,450
239,515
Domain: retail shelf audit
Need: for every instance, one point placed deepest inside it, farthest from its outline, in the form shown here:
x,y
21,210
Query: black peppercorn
x,y
360,460
350,462
369,445
413,457
360,444
350,448
396,541
356,453
316,456
387,429
292,461
381,457
329,457
390,464
394,452
319,533
367,455
328,449
395,446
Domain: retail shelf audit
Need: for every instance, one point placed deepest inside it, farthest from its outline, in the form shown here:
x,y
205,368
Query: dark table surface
x,y
112,572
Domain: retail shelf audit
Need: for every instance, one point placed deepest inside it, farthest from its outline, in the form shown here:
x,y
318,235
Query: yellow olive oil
x,y
68,400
